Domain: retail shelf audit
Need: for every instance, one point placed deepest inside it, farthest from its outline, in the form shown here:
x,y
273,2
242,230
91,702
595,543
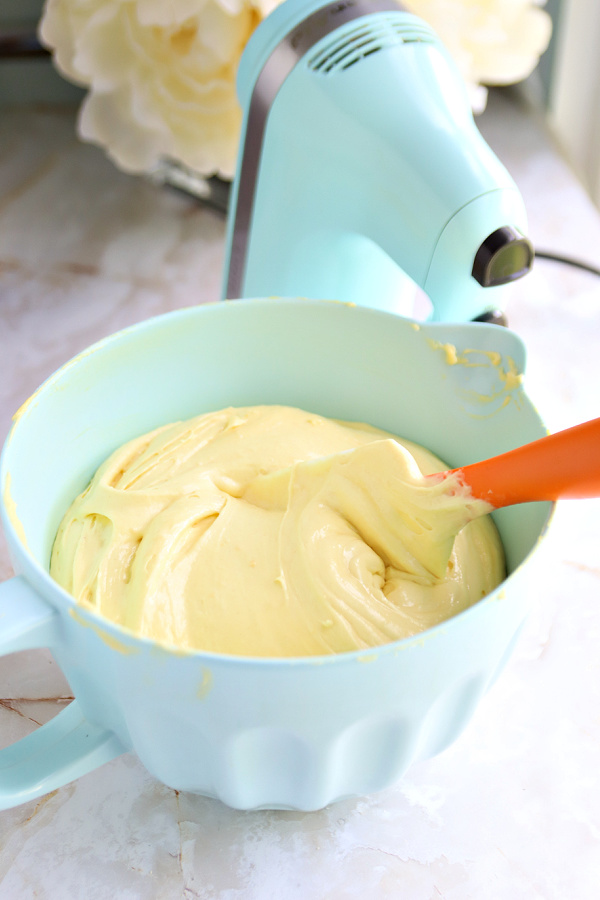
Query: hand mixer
x,y
361,170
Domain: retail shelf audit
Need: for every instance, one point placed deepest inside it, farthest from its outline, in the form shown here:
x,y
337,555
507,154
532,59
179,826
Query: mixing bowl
x,y
276,733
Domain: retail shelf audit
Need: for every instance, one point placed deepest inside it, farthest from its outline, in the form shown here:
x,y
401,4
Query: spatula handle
x,y
565,464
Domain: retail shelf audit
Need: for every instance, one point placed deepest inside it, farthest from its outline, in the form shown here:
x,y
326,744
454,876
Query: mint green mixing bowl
x,y
274,733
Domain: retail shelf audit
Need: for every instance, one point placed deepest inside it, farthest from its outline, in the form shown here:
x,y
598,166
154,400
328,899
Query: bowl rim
x,y
41,581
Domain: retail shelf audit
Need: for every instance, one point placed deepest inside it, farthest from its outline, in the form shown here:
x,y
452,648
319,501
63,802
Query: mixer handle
x,y
67,746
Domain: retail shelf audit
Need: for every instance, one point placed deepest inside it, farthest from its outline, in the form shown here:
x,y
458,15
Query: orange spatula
x,y
411,521
561,465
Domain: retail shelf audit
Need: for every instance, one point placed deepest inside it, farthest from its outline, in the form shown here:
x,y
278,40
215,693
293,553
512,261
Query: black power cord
x,y
568,260
497,316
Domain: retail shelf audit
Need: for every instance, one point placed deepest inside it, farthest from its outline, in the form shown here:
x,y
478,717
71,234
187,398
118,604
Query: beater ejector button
x,y
504,256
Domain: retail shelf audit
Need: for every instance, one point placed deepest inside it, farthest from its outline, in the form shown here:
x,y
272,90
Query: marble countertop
x,y
512,810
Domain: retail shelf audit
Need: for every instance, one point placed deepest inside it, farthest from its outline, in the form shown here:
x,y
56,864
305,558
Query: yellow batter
x,y
250,531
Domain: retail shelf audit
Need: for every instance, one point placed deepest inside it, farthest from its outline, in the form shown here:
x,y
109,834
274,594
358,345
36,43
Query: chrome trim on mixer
x,y
278,66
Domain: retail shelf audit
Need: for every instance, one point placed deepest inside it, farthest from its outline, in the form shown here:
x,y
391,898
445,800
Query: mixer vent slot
x,y
381,33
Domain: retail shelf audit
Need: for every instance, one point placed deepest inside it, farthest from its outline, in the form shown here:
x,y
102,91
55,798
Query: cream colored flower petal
x,y
265,7
171,97
492,41
235,7
478,96
106,119
222,34
205,130
145,108
104,53
58,30
212,149
164,51
169,13
513,54
178,12
150,45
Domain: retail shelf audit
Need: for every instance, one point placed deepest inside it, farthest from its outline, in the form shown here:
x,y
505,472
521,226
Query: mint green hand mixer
x,y
361,170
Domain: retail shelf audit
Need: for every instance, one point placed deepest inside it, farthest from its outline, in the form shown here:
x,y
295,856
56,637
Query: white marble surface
x,y
512,810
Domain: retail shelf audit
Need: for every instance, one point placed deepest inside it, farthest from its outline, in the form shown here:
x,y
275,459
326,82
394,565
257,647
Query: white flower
x,y
491,41
161,75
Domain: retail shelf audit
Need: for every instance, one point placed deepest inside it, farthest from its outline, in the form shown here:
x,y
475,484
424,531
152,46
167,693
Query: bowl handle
x,y
66,747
